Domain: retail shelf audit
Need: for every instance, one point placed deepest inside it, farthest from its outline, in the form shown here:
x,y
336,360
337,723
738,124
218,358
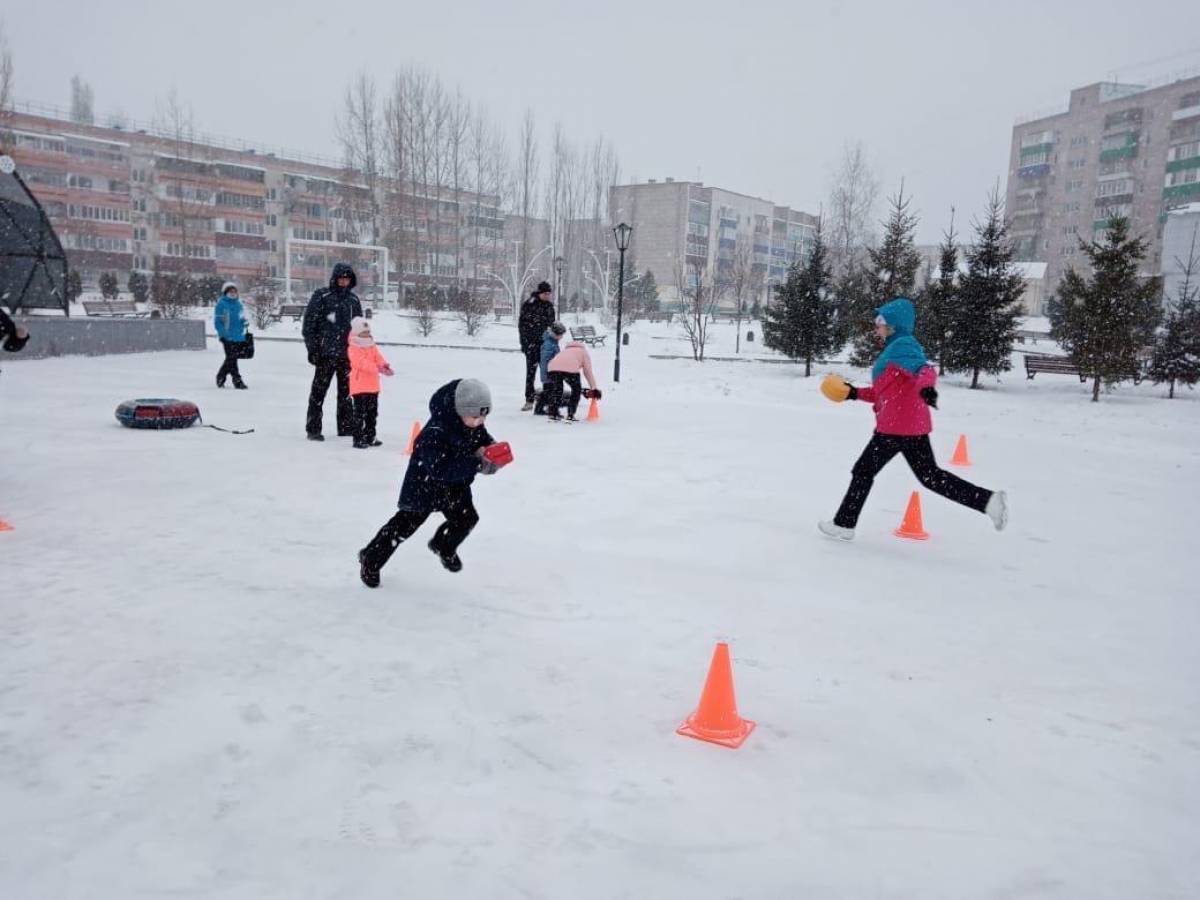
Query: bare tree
x,y
82,102
745,281
853,192
425,322
186,206
458,127
699,293
262,299
6,89
471,309
359,132
525,182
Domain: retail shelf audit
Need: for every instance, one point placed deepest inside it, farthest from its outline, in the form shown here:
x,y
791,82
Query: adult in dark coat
x,y
447,455
326,332
537,314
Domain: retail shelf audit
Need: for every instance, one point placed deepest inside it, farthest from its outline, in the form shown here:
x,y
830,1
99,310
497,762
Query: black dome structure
x,y
33,266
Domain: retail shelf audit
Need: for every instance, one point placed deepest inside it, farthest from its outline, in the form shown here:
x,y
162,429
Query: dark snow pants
x,y
366,413
461,517
323,373
533,359
555,390
918,453
230,366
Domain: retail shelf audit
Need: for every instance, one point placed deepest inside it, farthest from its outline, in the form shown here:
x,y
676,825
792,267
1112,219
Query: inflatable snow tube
x,y
157,413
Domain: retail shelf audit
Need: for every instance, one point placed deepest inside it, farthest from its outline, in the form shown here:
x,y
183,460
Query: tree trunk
x,y
1171,392
975,380
1096,388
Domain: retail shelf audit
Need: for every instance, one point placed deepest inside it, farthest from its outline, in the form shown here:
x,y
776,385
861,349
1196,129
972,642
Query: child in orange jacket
x,y
366,365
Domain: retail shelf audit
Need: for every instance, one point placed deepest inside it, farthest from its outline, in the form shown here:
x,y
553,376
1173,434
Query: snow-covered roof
x,y
1031,270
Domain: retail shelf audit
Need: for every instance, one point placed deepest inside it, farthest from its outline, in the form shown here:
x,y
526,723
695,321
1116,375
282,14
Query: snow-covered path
x,y
199,699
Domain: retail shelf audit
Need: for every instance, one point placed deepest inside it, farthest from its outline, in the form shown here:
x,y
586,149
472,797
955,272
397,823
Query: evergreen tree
x,y
937,301
139,286
1177,347
648,301
801,322
110,289
1104,321
894,265
983,323
74,285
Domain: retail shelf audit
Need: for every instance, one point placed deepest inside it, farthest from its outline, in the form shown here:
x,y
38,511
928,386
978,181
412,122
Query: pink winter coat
x,y
573,359
896,395
365,365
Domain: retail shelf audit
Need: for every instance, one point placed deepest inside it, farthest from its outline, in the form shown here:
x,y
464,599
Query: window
x,y
1070,207
97,242
33,175
1070,229
196,251
239,201
236,226
273,220
139,234
1080,140
79,181
1075,185
1184,151
1078,163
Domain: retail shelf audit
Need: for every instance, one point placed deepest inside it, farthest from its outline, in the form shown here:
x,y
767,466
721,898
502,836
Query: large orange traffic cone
x,y
716,719
911,527
412,439
4,526
960,457
594,411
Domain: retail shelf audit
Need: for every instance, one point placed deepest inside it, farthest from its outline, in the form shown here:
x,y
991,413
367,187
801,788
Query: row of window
x,y
97,213
1187,176
237,226
192,251
97,242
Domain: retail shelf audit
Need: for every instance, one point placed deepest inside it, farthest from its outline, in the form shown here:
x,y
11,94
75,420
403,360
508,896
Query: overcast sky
x,y
754,97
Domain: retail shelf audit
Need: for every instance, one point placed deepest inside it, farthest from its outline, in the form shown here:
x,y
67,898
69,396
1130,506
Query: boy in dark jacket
x,y
326,330
447,455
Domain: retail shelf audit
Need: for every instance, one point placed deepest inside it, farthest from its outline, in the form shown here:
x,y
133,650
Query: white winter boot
x,y
837,532
997,510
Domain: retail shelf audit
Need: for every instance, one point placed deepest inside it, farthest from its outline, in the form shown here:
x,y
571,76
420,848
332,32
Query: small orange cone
x,y
911,527
412,438
4,526
960,457
716,719
594,411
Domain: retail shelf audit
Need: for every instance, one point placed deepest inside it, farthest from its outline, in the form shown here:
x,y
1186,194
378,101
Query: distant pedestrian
x,y
366,365
230,323
326,334
537,314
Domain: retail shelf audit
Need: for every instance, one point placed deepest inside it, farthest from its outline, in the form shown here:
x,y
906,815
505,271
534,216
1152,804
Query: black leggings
x,y
533,359
919,455
554,401
366,413
230,366
461,517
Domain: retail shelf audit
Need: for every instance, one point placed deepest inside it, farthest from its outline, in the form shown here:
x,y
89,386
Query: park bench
x,y
296,311
112,309
587,334
1053,365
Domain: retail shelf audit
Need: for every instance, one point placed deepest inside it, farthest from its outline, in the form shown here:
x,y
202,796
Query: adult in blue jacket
x,y
447,455
231,329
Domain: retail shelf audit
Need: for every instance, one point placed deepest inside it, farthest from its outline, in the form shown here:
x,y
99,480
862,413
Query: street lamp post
x,y
621,233
558,285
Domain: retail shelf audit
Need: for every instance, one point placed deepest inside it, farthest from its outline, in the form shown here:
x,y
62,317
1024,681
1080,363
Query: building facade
x,y
127,200
679,226
1181,244
1118,149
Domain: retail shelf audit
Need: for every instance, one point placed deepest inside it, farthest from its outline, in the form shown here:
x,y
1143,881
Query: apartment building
x,y
1132,150
678,225
125,199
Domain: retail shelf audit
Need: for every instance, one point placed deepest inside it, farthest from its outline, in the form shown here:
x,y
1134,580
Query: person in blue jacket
x,y
231,329
550,343
447,455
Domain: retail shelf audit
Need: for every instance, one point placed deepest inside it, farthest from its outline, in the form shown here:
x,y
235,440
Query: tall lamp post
x,y
621,233
558,285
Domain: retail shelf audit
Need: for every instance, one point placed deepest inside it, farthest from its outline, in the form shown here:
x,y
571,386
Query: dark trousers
x,y
323,374
533,359
919,455
229,367
366,412
461,517
555,390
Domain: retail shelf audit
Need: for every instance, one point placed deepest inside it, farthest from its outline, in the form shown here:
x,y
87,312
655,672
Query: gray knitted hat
x,y
472,398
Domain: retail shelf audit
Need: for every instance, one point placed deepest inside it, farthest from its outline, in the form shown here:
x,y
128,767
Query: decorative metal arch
x,y
33,266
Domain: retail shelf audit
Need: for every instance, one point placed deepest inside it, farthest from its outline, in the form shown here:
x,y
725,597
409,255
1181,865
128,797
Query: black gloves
x,y
312,357
853,395
592,393
487,467
929,395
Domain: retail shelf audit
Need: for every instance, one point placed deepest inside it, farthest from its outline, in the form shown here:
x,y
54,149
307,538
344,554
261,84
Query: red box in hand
x,y
499,453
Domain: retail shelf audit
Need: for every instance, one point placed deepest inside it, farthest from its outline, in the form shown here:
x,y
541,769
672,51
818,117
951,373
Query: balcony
x,y
1036,171
1036,150
1182,193
1180,165
1188,112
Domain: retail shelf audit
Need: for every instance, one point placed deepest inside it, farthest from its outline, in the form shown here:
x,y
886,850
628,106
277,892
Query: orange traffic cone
x,y
911,527
594,411
716,719
4,526
412,438
960,457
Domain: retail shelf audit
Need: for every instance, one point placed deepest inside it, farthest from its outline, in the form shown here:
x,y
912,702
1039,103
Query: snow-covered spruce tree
x,y
1177,346
895,263
800,324
983,322
1103,321
936,303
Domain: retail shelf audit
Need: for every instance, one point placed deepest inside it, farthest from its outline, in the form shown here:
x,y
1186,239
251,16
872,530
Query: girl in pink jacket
x,y
902,392
366,365
564,368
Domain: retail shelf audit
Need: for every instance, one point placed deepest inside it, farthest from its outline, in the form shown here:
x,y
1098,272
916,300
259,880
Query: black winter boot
x,y
369,576
449,560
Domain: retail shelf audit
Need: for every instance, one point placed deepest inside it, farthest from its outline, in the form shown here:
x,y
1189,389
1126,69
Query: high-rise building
x,y
125,199
679,224
1126,149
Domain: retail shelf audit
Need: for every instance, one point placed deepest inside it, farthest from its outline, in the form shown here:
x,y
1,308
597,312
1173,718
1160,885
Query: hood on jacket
x,y
226,286
338,271
900,315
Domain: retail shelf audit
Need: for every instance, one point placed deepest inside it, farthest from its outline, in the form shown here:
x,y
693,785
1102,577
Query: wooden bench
x,y
296,311
1053,365
113,309
587,334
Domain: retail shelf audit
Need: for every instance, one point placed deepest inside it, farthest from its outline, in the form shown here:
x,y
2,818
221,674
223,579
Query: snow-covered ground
x,y
199,699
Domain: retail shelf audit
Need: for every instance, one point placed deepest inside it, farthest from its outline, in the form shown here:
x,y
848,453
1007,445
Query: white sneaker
x,y
997,510
837,532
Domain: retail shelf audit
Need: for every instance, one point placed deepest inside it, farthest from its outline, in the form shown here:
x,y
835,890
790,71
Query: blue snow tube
x,y
157,413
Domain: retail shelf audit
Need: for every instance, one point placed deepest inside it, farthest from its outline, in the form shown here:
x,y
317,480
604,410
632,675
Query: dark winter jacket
x,y
536,316
328,314
8,334
444,455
